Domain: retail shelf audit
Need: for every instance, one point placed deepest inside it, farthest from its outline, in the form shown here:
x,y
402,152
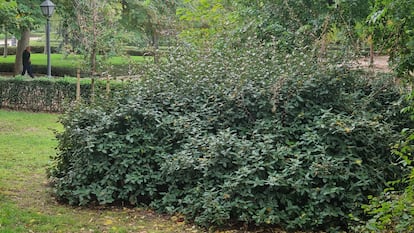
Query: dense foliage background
x,y
249,134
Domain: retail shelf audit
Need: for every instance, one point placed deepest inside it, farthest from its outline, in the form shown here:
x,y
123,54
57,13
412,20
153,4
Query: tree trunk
x,y
156,37
78,85
21,45
322,53
5,41
324,39
93,89
93,61
108,87
371,51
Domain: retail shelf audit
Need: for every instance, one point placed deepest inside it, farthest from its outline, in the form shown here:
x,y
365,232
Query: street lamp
x,y
47,10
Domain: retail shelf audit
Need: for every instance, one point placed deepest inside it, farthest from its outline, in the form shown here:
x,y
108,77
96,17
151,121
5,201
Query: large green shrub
x,y
238,135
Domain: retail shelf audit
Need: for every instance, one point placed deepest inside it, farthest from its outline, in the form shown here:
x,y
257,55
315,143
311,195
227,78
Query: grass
x,y
71,61
26,204
66,79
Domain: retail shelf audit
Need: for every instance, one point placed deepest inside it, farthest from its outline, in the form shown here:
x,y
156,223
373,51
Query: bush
x,y
42,69
246,135
11,50
56,71
393,209
135,52
41,49
7,67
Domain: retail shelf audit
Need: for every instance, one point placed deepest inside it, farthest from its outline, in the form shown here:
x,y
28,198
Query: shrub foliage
x,y
241,135
393,210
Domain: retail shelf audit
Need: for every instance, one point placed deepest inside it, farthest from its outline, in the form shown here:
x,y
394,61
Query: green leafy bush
x,y
239,135
133,51
393,209
57,71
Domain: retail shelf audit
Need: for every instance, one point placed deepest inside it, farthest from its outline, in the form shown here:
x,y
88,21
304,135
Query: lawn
x,y
70,61
26,205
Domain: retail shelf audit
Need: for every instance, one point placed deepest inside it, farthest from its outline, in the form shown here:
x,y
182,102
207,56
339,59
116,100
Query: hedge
x,y
41,69
49,95
11,50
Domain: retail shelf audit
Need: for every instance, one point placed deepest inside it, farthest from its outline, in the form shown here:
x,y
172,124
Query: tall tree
x,y
97,20
93,26
28,16
8,11
154,18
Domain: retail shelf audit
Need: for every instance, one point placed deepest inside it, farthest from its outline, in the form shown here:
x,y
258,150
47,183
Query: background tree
x,y
92,25
97,21
289,24
25,15
66,26
204,21
152,18
395,20
7,19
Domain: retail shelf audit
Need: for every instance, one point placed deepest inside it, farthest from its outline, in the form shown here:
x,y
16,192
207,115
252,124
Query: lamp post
x,y
48,8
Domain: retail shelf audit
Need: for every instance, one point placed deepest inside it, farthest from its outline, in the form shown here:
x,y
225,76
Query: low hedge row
x,y
11,50
47,95
41,69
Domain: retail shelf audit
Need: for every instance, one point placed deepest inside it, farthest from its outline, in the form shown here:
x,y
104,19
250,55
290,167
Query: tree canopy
x,y
8,11
395,21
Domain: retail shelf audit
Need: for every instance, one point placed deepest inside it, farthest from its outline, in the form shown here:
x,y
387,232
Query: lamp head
x,y
48,8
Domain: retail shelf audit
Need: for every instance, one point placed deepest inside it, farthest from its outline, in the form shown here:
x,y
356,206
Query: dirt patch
x,y
5,127
380,64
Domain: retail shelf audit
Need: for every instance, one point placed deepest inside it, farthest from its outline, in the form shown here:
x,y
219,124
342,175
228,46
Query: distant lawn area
x,y
72,61
63,65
